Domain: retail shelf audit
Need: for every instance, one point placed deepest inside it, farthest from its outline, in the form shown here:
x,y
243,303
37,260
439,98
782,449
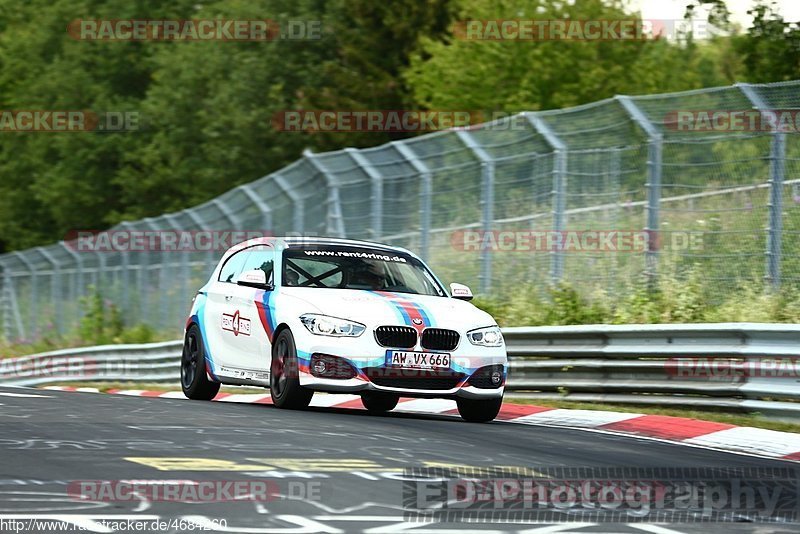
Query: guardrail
x,y
730,366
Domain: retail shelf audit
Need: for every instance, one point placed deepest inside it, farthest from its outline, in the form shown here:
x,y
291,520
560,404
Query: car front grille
x,y
413,378
403,337
440,339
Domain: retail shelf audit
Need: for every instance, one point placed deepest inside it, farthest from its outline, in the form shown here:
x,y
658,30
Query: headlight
x,y
491,336
322,325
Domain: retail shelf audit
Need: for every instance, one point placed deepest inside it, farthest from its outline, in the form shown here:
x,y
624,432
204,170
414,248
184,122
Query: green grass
x,y
752,420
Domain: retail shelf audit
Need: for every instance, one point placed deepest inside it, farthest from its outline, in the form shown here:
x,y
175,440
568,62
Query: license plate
x,y
417,360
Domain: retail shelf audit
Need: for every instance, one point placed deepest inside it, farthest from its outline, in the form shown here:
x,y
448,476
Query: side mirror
x,y
255,278
460,291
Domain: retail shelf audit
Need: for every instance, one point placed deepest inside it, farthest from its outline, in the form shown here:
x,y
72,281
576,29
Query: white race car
x,y
301,315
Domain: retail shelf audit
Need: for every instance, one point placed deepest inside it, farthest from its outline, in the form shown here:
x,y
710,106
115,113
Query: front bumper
x,y
466,360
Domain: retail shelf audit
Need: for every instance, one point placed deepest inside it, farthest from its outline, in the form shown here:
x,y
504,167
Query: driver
x,y
368,274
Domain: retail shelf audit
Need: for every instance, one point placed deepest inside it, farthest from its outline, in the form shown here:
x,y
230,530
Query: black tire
x,y
284,380
379,402
194,382
479,410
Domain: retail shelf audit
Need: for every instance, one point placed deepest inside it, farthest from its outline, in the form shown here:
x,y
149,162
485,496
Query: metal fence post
x,y
183,290
11,309
33,305
560,155
775,232
261,204
5,301
487,203
426,193
125,265
162,279
201,225
654,167
76,286
55,285
298,214
334,221
777,170
376,191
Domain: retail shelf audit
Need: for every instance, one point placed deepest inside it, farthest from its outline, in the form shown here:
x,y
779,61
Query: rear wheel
x,y
479,410
284,378
194,382
379,402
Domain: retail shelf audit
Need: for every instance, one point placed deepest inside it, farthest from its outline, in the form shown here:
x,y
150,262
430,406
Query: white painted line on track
x,y
576,418
768,442
172,395
426,406
6,394
245,397
331,399
656,529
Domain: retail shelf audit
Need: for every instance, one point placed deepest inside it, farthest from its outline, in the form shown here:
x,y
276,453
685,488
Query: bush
x,y
673,299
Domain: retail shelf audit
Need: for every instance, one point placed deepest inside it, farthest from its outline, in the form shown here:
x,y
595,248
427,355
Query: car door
x,y
247,336
217,313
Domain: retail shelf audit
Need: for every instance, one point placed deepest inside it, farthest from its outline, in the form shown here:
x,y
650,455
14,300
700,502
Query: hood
x,y
376,308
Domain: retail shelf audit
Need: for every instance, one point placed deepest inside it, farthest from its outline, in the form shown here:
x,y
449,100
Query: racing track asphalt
x,y
351,459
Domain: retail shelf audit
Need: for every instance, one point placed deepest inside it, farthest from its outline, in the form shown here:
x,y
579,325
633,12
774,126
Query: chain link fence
x,y
724,200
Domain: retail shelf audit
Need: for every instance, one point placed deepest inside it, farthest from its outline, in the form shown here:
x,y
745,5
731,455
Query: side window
x,y
260,257
233,267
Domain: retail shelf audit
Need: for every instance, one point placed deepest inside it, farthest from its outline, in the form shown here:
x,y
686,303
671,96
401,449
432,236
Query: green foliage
x,y
519,76
103,324
674,299
206,107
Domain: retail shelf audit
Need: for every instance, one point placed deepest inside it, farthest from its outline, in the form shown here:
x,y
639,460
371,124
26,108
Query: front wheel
x,y
379,402
194,382
479,410
284,377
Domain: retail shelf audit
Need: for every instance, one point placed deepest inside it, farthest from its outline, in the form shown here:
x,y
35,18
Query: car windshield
x,y
337,267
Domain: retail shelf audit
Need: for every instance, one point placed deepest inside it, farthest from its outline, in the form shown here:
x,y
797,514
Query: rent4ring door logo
x,y
236,323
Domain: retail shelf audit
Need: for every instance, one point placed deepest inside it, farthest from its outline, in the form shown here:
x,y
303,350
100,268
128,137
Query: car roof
x,y
295,241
